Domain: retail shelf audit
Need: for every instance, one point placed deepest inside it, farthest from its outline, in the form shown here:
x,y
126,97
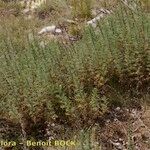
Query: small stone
x,y
120,139
58,31
48,29
94,21
108,121
71,21
53,124
118,108
26,11
115,119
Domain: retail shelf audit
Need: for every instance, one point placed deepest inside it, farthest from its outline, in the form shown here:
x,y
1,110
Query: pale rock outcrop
x,y
101,14
50,29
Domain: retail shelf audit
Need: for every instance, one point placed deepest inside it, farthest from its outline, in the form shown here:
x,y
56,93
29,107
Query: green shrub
x,y
52,8
13,5
82,8
75,84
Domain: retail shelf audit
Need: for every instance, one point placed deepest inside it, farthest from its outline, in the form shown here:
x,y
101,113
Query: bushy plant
x,y
12,5
76,84
81,9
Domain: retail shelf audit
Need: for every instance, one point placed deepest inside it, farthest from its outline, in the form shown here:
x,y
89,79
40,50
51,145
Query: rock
x,y
108,121
26,11
120,139
71,21
58,31
53,124
50,29
115,119
118,145
101,14
47,29
94,21
118,108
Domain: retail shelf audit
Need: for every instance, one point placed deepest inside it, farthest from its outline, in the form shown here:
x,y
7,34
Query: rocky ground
x,y
118,129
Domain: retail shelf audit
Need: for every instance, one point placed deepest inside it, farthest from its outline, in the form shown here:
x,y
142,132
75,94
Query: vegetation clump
x,y
74,85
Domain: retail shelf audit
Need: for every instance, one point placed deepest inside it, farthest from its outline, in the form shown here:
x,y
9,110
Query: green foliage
x,y
74,29
49,6
81,8
76,84
12,5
